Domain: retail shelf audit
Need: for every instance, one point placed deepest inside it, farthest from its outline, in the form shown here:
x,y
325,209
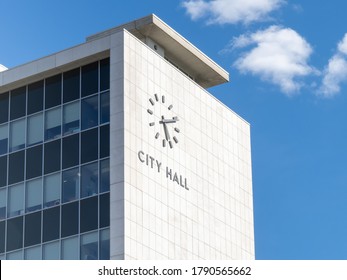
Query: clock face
x,y
164,120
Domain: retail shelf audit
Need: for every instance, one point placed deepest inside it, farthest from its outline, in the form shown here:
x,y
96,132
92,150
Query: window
x,y
52,156
51,224
105,107
35,129
3,171
90,79
104,141
71,151
105,244
69,219
90,112
35,97
104,210
71,184
18,103
34,162
17,135
2,237
17,255
3,139
89,145
3,196
89,246
33,253
51,251
89,214
33,193
53,123
71,89
14,233
71,118
69,249
51,190
16,167
32,234
4,97
104,74
89,182
53,91
15,200
104,175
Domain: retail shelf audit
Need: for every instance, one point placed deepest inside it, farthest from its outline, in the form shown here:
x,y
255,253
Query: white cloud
x,y
231,11
335,72
280,56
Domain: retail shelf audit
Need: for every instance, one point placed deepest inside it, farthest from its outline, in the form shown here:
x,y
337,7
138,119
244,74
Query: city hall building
x,y
113,149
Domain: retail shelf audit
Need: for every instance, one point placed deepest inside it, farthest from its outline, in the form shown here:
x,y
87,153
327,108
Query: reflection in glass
x,y
17,135
89,246
70,186
35,97
53,91
69,248
89,182
15,200
3,139
33,253
105,244
51,190
35,129
90,78
3,197
33,193
51,251
105,107
104,175
71,118
18,103
89,112
4,98
53,123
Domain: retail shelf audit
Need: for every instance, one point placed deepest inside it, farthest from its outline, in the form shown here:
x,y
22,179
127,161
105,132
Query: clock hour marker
x,y
157,135
164,143
175,139
150,111
151,124
151,100
156,97
170,107
177,130
170,144
163,99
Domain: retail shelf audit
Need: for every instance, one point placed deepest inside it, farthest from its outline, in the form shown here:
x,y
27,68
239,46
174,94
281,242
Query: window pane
x,y
14,234
89,214
105,210
3,139
4,98
105,175
71,118
69,249
51,251
90,79
34,253
35,129
15,200
89,182
3,171
71,183
53,123
32,234
71,151
89,246
105,244
16,167
17,135
35,97
52,156
69,219
33,193
17,255
51,224
3,198
53,91
71,88
104,74
104,141
90,112
89,145
105,107
51,190
34,162
18,103
2,237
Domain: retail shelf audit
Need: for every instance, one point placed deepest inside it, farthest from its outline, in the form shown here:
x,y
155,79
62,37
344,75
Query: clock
x,y
163,120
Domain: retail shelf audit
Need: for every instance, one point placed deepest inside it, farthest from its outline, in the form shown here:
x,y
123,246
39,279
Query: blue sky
x,y
288,69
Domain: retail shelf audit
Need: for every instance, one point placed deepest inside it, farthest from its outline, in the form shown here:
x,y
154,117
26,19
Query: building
x,y
114,149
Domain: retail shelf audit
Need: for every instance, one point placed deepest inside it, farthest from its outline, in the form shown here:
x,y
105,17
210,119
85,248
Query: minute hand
x,y
173,120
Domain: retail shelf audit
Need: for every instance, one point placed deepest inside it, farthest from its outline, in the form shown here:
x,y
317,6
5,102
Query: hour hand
x,y
173,120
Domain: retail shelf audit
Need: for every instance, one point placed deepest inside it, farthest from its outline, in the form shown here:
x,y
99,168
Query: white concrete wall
x,y
162,220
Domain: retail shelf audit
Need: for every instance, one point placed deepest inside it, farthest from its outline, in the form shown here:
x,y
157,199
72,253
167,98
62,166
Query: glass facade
x,y
54,166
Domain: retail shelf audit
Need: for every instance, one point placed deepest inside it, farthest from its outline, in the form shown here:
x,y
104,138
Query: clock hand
x,y
166,131
173,120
